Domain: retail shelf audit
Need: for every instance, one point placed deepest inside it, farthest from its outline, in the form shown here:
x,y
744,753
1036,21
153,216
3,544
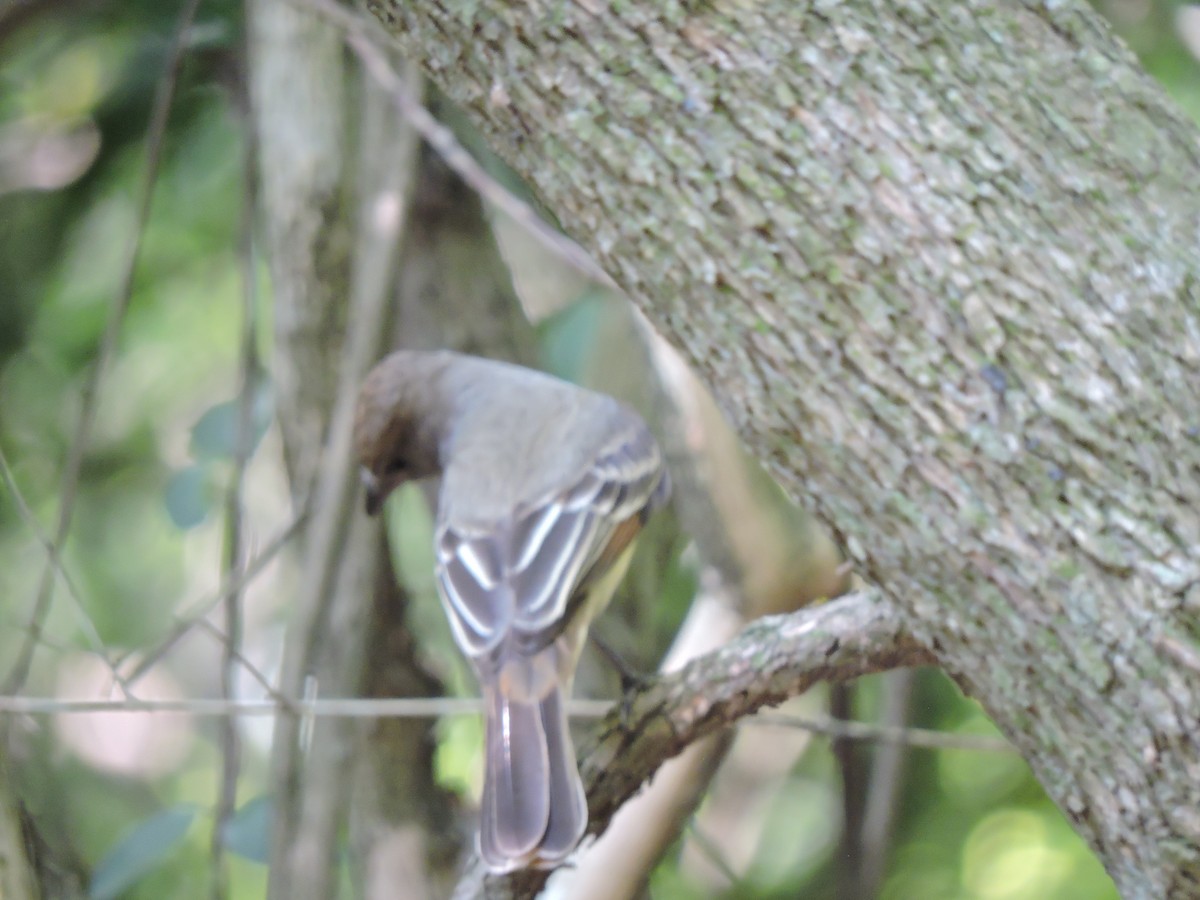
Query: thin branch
x,y
86,624
235,551
712,852
922,738
401,707
773,658
885,788
359,37
443,707
204,608
252,670
163,99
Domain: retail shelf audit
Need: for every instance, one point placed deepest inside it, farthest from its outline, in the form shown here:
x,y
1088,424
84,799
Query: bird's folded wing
x,y
519,576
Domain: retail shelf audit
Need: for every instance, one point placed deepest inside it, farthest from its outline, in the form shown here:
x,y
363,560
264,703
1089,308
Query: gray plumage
x,y
544,487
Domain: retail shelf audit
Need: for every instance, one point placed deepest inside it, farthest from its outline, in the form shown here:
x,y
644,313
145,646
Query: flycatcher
x,y
544,486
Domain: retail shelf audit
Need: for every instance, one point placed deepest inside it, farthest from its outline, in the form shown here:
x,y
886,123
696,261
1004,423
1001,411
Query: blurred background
x,y
127,799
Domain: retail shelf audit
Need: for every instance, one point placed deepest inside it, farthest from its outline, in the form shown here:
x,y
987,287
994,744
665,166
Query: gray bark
x,y
939,263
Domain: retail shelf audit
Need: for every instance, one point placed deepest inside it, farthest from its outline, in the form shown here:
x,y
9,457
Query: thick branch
x,y
774,658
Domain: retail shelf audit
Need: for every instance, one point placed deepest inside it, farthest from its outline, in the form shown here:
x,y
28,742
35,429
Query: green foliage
x,y
188,496
146,538
145,847
248,833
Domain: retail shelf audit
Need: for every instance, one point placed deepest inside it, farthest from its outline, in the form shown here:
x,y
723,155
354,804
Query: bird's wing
x,y
520,575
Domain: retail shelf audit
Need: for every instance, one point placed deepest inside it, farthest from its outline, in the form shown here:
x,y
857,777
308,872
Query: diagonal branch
x,y
773,658
86,624
362,40
163,100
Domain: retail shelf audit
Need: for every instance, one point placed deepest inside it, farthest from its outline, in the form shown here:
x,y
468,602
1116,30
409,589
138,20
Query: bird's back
x,y
552,432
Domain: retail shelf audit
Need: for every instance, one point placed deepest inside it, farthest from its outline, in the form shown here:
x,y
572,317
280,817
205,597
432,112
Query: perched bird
x,y
544,486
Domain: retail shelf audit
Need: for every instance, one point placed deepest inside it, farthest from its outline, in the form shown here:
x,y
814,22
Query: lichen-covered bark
x,y
939,262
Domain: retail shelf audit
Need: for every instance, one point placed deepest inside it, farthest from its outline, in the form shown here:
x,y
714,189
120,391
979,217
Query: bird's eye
x,y
396,466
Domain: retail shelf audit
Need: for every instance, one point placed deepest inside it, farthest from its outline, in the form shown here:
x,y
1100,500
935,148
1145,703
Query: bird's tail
x,y
533,810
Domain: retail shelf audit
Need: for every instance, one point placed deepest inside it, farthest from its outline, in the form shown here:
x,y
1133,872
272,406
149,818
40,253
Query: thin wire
x,y
885,734
220,637
708,847
351,708
86,623
439,707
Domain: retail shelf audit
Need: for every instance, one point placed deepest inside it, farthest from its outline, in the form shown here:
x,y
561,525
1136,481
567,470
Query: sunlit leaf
x,y
141,851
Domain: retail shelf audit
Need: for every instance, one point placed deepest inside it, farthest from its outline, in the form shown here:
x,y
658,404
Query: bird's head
x,y
397,425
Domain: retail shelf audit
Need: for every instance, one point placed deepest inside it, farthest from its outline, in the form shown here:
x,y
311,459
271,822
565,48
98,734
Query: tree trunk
x,y
939,263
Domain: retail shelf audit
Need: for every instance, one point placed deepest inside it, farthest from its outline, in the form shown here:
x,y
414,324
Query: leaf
x,y
569,336
187,497
214,436
140,851
248,832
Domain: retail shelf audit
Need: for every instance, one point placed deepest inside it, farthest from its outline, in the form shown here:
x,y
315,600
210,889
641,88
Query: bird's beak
x,y
373,490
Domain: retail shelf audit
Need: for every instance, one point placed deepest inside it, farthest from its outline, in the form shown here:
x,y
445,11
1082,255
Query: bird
x,y
544,487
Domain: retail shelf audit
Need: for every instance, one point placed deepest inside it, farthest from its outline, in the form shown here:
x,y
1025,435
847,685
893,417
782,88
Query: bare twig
x,y
201,610
923,738
406,707
238,657
163,99
712,852
620,861
850,759
85,621
772,659
360,40
884,788
442,707
234,545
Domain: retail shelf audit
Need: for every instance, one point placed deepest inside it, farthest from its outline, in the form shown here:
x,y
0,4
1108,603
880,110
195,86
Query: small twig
x,y
851,763
773,658
885,734
443,707
403,707
443,142
155,134
889,762
201,610
252,670
235,551
712,852
86,624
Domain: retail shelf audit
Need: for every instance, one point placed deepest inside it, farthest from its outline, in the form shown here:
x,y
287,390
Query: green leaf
x,y
214,436
140,851
187,497
248,833
569,336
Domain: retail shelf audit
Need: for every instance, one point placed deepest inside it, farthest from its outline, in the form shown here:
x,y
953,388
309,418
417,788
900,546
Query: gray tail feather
x,y
533,810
